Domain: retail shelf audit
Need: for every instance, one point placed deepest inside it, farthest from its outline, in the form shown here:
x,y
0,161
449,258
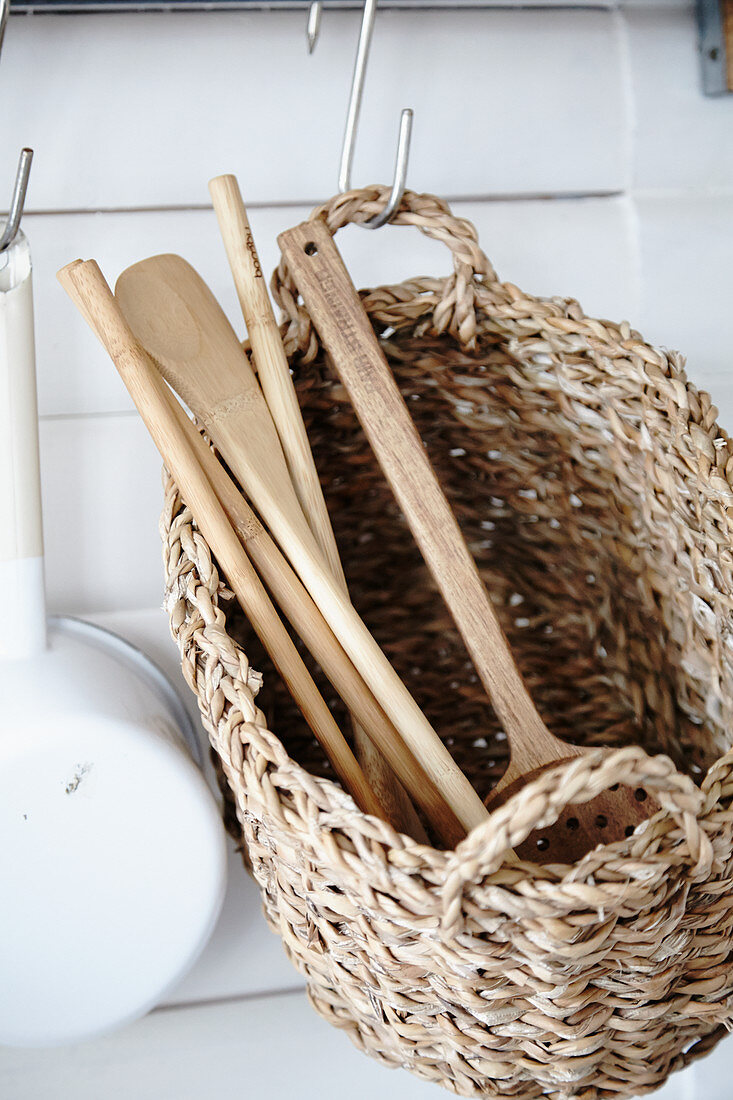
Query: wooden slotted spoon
x,y
346,333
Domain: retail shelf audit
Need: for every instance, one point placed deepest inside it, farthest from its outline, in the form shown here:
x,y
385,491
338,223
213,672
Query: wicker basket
x,y
595,490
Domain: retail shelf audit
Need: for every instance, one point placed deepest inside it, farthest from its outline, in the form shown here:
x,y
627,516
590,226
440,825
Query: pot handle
x,y
23,607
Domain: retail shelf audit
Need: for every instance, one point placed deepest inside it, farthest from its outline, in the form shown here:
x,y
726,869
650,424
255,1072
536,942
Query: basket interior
x,y
585,573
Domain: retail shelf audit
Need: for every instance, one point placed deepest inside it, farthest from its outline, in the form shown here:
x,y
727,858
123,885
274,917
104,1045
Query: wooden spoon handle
x,y
347,335
277,385
87,287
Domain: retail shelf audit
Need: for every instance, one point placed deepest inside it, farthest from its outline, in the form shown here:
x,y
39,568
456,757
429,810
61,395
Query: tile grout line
x,y
626,74
293,7
102,414
704,191
632,223
696,194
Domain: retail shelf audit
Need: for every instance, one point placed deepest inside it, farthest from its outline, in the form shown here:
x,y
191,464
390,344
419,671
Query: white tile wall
x,y
101,499
272,1048
577,139
138,110
583,247
685,245
681,138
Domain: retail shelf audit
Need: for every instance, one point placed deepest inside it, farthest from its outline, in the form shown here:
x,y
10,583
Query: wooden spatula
x,y
180,324
347,335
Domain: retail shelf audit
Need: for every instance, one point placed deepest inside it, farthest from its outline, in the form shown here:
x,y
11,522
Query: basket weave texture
x,y
595,490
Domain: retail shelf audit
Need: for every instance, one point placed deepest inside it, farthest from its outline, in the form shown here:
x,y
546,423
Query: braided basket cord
x,y
595,490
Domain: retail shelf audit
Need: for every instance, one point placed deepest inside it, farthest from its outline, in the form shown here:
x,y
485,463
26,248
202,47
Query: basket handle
x,y
452,300
539,805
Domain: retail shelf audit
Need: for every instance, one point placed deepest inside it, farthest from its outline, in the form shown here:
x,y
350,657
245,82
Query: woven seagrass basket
x,y
595,489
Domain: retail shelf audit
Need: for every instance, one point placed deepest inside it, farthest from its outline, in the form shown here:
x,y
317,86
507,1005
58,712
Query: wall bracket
x,y
715,27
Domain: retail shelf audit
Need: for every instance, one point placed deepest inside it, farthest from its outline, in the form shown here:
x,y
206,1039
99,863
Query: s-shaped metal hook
x,y
399,178
17,202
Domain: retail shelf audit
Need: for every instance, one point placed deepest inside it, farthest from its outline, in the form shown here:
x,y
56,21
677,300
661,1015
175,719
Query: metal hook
x,y
313,27
18,200
399,178
4,13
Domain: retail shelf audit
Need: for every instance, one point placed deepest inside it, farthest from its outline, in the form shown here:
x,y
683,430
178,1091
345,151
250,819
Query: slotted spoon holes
x,y
611,816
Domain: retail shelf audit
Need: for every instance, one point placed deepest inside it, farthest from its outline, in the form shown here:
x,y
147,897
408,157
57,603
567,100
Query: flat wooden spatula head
x,y
179,322
183,328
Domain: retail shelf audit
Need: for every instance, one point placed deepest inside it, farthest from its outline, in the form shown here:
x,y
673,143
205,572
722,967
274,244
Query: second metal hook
x,y
399,178
17,202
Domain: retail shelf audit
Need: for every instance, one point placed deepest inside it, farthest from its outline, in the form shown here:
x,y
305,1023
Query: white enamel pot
x,y
112,851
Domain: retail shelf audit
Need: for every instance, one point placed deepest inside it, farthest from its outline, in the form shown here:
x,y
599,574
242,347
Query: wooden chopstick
x,y
274,373
273,368
86,286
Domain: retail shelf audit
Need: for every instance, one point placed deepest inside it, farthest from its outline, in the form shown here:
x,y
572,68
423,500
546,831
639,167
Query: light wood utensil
x,y
347,335
272,365
174,315
273,371
88,289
